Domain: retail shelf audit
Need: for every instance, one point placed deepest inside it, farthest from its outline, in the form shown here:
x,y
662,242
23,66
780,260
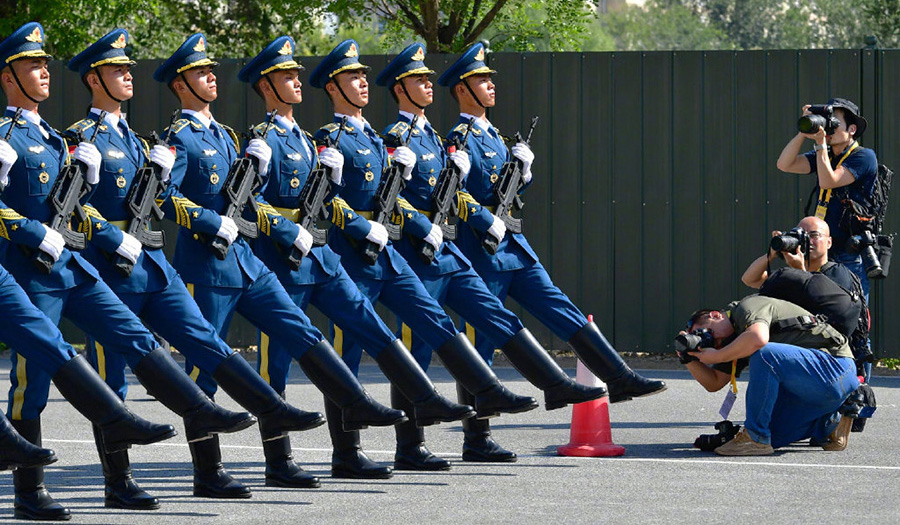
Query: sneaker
x,y
838,439
743,445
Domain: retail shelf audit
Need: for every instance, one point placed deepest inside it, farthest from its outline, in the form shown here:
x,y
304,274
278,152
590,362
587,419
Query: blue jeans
x,y
853,261
793,393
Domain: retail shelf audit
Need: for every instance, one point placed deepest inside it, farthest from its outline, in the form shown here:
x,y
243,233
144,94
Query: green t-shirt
x,y
759,309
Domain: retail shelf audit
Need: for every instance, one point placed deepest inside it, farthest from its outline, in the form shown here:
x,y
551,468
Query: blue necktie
x,y
219,133
126,135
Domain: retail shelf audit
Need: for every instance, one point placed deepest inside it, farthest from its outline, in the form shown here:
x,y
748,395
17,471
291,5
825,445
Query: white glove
x,y
407,159
228,230
435,237
8,157
304,241
461,159
522,152
498,228
163,157
53,243
332,158
263,153
377,234
130,248
90,156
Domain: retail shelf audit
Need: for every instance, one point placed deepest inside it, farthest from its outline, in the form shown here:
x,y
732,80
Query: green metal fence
x,y
655,178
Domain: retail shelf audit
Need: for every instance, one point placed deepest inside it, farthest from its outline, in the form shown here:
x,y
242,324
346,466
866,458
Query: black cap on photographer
x,y
851,110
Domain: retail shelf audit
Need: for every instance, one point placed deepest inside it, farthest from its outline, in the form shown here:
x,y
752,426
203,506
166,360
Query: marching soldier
x,y
515,270
240,282
65,284
153,290
320,278
390,279
449,276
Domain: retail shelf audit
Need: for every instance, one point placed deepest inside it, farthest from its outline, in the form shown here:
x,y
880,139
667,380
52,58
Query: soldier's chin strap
x,y
188,84
408,97
275,90
21,87
102,83
477,100
345,95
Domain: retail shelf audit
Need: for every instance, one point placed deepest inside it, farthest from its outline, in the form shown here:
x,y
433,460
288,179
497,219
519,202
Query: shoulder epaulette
x,y
331,127
399,128
81,126
182,123
461,129
260,128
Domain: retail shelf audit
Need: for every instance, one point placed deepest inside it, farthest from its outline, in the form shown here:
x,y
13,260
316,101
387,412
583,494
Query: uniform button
x,y
43,165
214,166
432,170
196,237
295,172
368,165
121,170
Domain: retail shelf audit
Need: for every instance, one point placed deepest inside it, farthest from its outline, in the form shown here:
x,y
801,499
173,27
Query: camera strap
x,y
731,395
825,194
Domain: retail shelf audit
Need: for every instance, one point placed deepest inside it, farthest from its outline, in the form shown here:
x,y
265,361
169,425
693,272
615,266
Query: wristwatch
x,y
819,147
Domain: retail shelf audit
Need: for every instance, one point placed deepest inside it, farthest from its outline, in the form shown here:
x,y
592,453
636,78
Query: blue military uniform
x,y
515,270
204,152
390,280
153,291
73,288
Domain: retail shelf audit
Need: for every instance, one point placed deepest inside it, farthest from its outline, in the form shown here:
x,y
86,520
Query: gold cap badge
x,y
35,36
419,56
120,42
286,48
352,52
480,54
201,46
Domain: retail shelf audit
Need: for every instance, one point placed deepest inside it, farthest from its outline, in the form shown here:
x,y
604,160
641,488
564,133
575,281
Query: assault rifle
x,y
64,200
443,199
389,189
140,201
506,190
312,203
238,189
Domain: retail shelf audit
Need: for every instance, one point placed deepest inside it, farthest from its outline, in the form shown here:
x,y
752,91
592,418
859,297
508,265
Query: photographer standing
x,y
845,171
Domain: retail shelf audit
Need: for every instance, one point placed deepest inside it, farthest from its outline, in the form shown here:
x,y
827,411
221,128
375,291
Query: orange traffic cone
x,y
591,435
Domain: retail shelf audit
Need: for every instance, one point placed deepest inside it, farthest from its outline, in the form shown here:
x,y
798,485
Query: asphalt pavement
x,y
660,479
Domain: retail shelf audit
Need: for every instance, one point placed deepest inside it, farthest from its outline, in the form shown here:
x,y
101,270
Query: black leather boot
x,y
427,405
32,501
478,445
469,369
536,365
211,480
331,376
168,383
282,470
411,451
347,459
247,387
18,452
83,388
121,491
602,359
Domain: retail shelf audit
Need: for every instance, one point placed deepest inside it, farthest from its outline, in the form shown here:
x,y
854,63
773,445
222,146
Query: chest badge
x,y
295,156
120,181
370,176
209,152
44,177
432,181
214,178
115,154
494,178
490,154
36,149
428,156
295,182
364,151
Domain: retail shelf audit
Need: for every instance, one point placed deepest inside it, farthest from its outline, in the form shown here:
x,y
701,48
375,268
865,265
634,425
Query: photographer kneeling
x,y
799,375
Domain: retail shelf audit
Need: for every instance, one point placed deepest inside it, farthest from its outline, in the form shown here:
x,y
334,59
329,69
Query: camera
x,y
864,244
700,338
790,241
822,116
709,442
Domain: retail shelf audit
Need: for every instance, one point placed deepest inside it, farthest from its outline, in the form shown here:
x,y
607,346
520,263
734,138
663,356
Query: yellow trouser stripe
x,y
264,357
195,373
470,333
19,394
406,336
339,341
101,360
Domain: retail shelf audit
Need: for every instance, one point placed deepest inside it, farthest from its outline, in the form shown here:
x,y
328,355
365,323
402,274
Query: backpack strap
x,y
802,322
